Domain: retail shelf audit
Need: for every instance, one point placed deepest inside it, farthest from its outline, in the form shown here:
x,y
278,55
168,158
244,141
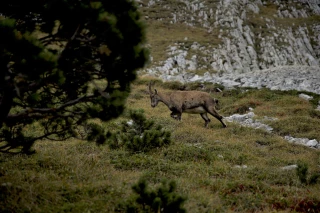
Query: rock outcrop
x,y
248,120
301,78
254,35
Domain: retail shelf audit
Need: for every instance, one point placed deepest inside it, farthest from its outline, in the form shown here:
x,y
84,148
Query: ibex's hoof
x,y
175,116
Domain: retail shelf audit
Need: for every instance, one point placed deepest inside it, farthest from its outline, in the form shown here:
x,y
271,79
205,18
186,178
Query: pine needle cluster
x,y
139,134
163,199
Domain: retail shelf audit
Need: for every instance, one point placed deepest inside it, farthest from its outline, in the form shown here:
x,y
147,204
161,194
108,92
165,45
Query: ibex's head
x,y
155,98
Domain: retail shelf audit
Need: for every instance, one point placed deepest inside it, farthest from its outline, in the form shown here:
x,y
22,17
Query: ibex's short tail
x,y
217,104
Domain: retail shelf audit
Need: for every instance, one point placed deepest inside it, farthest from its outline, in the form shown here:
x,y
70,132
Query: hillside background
x,y
210,38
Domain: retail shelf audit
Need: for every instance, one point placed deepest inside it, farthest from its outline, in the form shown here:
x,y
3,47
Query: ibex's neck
x,y
165,98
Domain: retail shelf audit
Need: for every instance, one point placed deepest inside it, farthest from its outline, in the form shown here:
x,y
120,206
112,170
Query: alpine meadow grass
x,y
215,170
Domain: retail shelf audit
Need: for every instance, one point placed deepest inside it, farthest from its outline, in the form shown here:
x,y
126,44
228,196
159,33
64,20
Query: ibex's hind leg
x,y
214,113
206,119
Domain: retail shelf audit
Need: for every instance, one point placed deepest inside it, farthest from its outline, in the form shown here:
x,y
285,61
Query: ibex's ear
x,y
155,91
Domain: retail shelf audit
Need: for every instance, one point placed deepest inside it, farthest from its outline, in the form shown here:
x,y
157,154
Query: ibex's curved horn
x,y
150,92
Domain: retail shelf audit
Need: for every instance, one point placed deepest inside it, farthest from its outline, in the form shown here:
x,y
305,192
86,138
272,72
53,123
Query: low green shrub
x,y
139,134
173,85
163,199
146,81
302,172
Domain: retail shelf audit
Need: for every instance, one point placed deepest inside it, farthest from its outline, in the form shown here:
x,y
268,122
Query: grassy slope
x,y
76,176
161,35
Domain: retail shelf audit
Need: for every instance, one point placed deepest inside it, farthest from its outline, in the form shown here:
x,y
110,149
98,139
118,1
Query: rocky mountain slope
x,y
229,41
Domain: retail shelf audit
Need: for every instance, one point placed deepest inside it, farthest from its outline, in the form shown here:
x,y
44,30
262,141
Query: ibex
x,y
194,102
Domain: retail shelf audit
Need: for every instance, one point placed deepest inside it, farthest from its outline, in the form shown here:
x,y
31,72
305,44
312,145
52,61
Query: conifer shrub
x,y
174,85
164,199
147,80
302,173
139,134
63,64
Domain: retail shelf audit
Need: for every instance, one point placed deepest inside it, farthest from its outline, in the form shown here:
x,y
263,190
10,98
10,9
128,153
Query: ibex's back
x,y
192,99
187,101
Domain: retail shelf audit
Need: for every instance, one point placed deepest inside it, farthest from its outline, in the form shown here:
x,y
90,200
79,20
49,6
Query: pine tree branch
x,y
68,43
52,133
41,112
8,146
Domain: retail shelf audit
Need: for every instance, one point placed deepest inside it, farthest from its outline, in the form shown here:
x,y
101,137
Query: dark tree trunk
x,y
5,104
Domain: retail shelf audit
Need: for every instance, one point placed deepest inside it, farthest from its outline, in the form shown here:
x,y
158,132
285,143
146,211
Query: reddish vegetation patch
x,y
307,205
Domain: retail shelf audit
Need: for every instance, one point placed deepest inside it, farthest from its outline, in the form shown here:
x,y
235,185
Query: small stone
x,y
130,122
312,143
241,166
305,97
8,184
290,167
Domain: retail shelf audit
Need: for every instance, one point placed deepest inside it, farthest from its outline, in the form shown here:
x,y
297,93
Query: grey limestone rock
x,y
248,120
244,48
303,141
290,167
305,97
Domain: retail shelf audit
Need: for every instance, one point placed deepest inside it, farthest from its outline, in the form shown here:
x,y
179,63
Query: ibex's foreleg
x,y
175,114
206,119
